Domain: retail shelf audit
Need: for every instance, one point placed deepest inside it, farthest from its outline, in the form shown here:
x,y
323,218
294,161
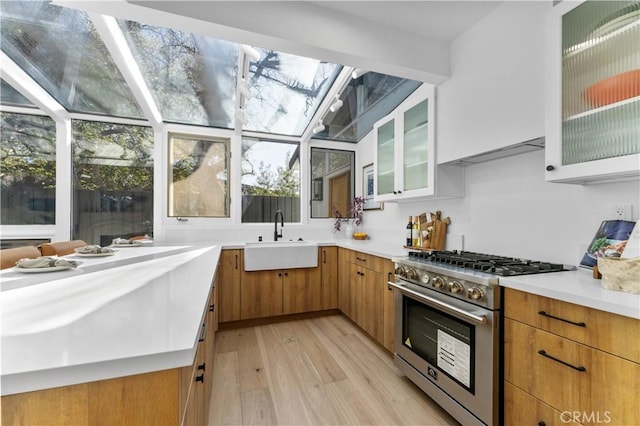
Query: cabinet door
x,y
384,183
344,275
301,290
229,273
354,306
592,124
195,408
570,376
520,408
329,264
371,283
261,294
388,308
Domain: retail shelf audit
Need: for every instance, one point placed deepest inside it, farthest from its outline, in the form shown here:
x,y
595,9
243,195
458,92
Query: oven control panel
x,y
457,287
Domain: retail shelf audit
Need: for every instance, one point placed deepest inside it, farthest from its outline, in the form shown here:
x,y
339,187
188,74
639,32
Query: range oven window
x,y
442,340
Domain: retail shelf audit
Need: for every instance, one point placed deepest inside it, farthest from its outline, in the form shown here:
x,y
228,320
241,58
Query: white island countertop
x,y
136,312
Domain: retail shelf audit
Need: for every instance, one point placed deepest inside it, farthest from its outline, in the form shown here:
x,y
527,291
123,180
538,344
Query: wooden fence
x,y
262,208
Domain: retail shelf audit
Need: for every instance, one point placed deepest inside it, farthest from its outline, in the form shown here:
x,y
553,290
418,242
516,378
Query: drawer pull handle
x,y
203,333
360,259
544,353
541,423
579,324
200,378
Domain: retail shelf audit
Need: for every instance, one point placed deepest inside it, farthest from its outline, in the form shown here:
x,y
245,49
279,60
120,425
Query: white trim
x,y
14,232
112,37
63,181
110,119
30,89
342,80
23,110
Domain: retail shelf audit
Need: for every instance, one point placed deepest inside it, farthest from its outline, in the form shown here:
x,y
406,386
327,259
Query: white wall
x,y
510,210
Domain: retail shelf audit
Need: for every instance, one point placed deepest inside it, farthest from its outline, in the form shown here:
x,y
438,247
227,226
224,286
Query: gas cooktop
x,y
492,264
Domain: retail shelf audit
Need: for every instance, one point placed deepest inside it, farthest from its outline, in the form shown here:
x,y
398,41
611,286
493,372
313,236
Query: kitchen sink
x,y
269,255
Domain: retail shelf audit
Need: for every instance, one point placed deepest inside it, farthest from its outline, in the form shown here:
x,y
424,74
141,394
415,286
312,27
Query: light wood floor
x,y
321,371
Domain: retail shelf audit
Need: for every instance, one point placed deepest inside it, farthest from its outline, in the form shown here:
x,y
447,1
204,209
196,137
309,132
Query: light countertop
x,y
577,287
135,312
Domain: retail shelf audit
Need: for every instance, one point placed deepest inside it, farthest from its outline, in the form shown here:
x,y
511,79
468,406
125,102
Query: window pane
x,y
287,90
270,180
28,169
10,96
199,168
332,182
60,49
365,100
112,181
192,77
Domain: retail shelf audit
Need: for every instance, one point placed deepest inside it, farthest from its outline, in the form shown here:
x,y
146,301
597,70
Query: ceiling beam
x,y
295,27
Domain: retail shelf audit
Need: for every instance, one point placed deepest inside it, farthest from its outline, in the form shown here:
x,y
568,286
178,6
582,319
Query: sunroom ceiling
x,y
10,96
193,79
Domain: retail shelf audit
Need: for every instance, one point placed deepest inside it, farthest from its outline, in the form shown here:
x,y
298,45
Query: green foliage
x,y
284,182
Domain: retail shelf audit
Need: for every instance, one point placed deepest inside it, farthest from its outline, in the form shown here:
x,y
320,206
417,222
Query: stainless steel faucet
x,y
275,232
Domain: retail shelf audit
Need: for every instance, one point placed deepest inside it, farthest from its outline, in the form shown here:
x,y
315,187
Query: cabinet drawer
x,y
368,261
520,408
616,334
570,376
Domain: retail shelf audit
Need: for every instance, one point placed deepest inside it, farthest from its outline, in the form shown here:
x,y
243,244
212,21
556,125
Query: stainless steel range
x,y
448,327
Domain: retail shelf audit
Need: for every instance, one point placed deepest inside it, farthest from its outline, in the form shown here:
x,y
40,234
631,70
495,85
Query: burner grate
x,y
498,265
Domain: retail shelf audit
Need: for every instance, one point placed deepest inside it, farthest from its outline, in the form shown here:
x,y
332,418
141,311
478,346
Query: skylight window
x,y
10,96
287,90
366,100
60,49
192,77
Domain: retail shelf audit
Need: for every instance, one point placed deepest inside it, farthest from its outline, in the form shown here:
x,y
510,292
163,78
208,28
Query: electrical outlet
x,y
623,212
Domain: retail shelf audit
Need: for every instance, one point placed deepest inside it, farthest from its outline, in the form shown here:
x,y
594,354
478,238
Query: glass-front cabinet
x,y
404,156
593,91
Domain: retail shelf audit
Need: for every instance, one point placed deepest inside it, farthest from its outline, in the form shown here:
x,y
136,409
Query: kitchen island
x,y
138,311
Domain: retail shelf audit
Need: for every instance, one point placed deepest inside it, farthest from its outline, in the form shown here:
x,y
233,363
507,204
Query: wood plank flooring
x,y
320,371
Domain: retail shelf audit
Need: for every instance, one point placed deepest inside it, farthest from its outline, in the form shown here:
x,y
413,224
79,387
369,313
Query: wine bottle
x,y
409,233
416,232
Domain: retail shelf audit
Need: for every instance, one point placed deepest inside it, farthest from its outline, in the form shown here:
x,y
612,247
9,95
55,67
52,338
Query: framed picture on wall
x,y
367,189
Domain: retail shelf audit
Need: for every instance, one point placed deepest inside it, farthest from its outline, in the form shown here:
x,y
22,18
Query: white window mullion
x,y
63,180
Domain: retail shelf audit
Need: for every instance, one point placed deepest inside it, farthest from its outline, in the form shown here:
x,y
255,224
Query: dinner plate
x,y
95,254
38,270
133,244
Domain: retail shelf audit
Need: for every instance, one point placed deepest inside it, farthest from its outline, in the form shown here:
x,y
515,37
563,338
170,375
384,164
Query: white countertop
x,y
578,287
135,312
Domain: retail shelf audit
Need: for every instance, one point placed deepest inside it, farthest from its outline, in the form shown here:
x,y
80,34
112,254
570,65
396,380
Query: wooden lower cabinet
x,y
551,374
364,295
328,262
229,274
280,292
520,408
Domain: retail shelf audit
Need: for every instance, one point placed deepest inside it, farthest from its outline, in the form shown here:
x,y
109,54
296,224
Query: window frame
x,y
226,141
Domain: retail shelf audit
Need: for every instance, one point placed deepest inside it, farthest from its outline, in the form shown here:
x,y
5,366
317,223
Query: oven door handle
x,y
480,319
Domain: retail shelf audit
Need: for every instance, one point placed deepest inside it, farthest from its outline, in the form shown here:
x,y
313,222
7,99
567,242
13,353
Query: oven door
x,y
453,345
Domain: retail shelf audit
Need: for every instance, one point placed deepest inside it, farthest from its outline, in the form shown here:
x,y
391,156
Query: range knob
x,y
412,274
425,278
455,287
400,271
475,293
438,282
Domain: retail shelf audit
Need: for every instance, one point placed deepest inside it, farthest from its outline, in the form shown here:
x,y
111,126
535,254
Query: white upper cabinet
x,y
593,92
404,157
